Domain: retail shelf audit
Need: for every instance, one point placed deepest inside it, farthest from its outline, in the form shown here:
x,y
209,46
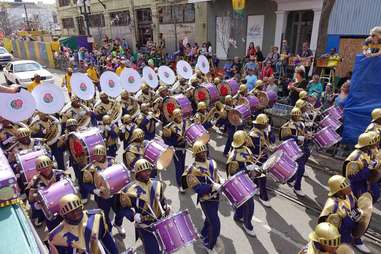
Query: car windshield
x,y
3,51
27,67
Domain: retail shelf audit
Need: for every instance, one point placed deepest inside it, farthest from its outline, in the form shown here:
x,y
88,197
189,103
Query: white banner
x,y
255,30
223,25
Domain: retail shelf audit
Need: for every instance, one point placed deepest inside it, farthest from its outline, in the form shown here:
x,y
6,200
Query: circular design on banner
x,y
16,104
82,86
184,69
150,77
201,95
130,80
166,75
48,98
111,83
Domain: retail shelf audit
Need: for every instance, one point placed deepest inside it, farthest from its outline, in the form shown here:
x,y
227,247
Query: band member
x,y
135,149
25,142
146,121
230,129
92,73
359,164
110,135
324,239
126,129
81,230
203,116
62,146
45,178
341,210
202,177
147,95
146,204
129,104
8,133
237,161
376,121
262,141
295,129
243,92
66,81
371,45
79,112
120,68
174,135
104,107
100,162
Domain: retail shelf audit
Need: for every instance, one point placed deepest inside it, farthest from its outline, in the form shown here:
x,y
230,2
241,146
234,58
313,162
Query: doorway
x,y
299,29
144,20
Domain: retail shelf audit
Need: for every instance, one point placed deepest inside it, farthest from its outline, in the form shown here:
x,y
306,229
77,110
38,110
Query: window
x,y
144,15
97,20
55,20
120,18
67,23
62,3
183,13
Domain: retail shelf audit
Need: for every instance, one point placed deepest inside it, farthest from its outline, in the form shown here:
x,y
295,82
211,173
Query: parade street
x,y
284,228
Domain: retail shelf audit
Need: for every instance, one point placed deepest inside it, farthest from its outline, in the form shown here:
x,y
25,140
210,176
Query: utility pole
x,y
26,18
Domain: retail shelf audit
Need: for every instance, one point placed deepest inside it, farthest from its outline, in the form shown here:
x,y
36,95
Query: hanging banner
x,y
223,25
255,24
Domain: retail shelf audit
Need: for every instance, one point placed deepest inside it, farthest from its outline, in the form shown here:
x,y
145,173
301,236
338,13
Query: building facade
x,y
137,20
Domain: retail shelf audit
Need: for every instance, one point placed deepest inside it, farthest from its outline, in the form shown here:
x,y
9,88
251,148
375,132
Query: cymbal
x,y
365,203
344,249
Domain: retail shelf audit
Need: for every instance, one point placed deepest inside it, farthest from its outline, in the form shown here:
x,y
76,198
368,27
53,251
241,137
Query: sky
x,y
44,1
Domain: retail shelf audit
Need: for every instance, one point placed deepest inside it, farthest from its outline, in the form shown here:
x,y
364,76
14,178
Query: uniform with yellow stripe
x,y
110,135
125,130
135,149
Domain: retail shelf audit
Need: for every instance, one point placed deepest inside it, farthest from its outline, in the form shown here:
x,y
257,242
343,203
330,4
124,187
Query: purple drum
x,y
250,101
158,154
82,143
239,189
239,115
267,99
280,166
175,232
26,161
291,148
49,198
326,137
112,179
331,121
335,111
207,92
196,132
177,101
228,88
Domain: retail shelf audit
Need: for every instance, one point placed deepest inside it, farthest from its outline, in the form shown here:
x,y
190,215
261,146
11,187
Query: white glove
x,y
138,218
44,131
356,214
108,128
301,138
222,180
123,128
216,186
97,192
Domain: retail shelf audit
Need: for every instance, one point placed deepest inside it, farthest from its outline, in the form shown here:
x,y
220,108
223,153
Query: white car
x,y
5,57
22,73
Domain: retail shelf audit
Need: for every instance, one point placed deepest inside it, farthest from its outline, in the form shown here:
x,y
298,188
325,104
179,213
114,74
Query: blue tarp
x,y
364,96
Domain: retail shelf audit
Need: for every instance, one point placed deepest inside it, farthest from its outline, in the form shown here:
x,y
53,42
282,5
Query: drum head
x,y
78,149
235,117
169,105
165,159
202,94
102,184
274,158
224,89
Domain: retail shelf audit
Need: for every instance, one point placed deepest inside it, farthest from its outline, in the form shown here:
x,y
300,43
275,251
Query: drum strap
x,y
211,168
88,231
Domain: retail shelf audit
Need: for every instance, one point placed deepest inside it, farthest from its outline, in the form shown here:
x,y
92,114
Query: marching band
x,y
152,123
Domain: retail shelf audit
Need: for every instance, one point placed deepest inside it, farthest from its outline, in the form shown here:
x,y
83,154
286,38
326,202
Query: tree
x,y
4,21
323,27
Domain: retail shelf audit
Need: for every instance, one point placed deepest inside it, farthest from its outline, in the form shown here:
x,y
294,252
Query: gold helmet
x,y
366,139
71,122
99,150
106,119
144,107
261,119
201,105
126,118
75,98
376,114
337,183
23,132
374,136
142,165
144,86
103,95
303,95
177,113
43,161
228,98
217,80
136,134
162,88
239,138
259,83
242,88
193,80
69,203
296,112
300,103
326,234
124,94
198,147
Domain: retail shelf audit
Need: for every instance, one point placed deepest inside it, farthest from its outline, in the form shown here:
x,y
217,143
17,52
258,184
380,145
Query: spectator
x,y
251,79
251,50
343,95
296,87
328,96
271,85
237,63
315,88
371,44
259,54
161,45
267,71
251,65
36,81
273,57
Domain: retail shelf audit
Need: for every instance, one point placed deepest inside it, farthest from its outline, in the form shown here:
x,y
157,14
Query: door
x,y
348,49
299,29
81,25
144,20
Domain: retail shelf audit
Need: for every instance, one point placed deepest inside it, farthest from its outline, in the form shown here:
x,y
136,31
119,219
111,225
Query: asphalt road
x,y
284,228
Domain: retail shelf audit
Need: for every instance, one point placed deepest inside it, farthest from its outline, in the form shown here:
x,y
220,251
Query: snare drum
x,y
330,121
280,166
239,189
158,154
239,115
177,101
112,179
196,132
267,99
207,92
175,232
228,88
334,111
250,101
291,148
26,162
326,137
50,197
82,143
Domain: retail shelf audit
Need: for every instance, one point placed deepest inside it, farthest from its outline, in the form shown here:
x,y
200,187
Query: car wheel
x,y
17,82
8,82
